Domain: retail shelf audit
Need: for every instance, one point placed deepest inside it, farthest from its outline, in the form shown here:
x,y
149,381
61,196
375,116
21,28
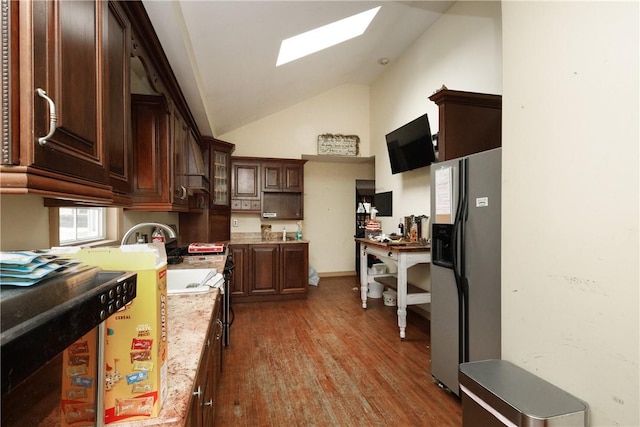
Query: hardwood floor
x,y
325,361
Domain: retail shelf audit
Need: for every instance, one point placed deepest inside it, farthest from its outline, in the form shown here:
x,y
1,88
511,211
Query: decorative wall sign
x,y
338,145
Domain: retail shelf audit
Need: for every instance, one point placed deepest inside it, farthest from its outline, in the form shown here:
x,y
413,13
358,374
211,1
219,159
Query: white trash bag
x,y
313,277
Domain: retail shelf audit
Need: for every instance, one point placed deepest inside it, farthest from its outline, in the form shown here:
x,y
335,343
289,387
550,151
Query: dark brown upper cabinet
x,y
72,140
283,176
270,186
469,122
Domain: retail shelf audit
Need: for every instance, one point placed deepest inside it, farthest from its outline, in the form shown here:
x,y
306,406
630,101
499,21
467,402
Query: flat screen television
x,y
410,146
383,202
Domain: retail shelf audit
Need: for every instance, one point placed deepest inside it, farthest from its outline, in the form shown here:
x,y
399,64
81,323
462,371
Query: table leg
x,y
402,294
402,321
364,279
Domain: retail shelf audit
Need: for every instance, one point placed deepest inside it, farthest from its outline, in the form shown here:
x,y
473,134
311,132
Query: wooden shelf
x,y
392,282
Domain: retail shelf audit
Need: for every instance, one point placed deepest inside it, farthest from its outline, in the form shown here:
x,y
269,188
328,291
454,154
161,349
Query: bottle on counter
x,y
413,233
284,234
157,236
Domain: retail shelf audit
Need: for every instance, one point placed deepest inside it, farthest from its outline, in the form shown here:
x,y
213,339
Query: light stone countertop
x,y
188,323
256,239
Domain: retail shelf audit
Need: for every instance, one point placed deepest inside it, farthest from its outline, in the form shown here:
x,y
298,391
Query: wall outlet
x,y
235,222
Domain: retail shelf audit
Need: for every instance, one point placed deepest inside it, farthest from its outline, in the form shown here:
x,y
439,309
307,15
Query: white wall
x,y
24,222
329,194
462,51
570,278
294,131
329,203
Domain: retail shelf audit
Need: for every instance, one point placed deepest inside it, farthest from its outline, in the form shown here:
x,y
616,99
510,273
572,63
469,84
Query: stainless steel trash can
x,y
497,393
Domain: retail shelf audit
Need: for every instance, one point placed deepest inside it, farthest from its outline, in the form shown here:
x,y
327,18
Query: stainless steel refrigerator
x,y
465,263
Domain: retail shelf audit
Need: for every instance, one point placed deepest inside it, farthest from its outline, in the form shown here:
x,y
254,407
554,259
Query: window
x,y
326,36
81,225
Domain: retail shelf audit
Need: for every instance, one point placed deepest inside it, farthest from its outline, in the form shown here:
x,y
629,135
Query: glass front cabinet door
x,y
220,170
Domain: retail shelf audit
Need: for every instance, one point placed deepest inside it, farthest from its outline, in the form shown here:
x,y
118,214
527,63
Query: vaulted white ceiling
x,y
223,53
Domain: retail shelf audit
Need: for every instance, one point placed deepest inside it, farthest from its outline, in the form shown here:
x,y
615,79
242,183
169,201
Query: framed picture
x,y
338,145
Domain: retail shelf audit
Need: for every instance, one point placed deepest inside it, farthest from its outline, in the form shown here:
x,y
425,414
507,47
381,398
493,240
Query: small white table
x,y
404,256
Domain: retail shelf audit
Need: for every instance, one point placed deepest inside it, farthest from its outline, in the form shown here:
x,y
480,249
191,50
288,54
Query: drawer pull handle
x,y
220,325
53,117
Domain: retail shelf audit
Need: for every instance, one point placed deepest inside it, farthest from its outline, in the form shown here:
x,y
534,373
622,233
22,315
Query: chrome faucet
x,y
169,230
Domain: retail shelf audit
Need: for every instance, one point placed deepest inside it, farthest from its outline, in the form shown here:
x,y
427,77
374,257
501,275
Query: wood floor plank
x,y
325,361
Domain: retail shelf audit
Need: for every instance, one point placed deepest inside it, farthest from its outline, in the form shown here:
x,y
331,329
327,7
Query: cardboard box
x,y
136,348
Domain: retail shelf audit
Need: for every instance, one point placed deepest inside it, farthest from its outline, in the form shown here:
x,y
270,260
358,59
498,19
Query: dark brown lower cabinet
x,y
239,253
202,405
264,269
294,274
269,271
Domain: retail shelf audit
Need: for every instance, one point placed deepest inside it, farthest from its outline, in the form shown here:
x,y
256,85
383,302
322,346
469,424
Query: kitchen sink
x,y
193,280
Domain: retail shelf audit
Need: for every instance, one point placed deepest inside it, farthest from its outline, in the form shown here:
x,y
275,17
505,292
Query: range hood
x,y
197,174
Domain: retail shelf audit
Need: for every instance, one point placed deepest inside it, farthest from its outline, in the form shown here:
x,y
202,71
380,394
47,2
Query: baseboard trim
x,y
337,274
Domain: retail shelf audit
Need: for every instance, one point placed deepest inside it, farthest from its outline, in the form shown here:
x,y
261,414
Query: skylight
x,y
326,36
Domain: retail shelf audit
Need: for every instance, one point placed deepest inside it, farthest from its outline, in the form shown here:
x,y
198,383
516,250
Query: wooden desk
x,y
404,257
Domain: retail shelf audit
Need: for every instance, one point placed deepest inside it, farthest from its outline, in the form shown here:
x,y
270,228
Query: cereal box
x,y
79,382
136,349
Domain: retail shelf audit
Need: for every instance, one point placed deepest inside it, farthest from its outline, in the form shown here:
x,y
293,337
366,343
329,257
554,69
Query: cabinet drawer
x,y
245,205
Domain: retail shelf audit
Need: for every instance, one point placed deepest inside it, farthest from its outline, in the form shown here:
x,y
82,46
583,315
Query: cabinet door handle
x,y
53,117
181,192
208,403
220,327
198,392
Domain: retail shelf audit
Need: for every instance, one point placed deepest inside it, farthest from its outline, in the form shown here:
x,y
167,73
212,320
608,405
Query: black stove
x,y
177,256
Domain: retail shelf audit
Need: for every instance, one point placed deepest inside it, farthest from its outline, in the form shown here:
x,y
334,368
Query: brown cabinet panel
x,y
245,186
239,278
294,268
116,98
271,177
293,176
79,54
267,272
179,164
282,176
74,51
263,269
65,57
468,122
219,226
160,136
216,361
201,409
150,154
274,187
245,180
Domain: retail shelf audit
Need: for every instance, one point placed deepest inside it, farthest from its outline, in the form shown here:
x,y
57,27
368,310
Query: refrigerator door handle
x,y
457,242
464,282
458,231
